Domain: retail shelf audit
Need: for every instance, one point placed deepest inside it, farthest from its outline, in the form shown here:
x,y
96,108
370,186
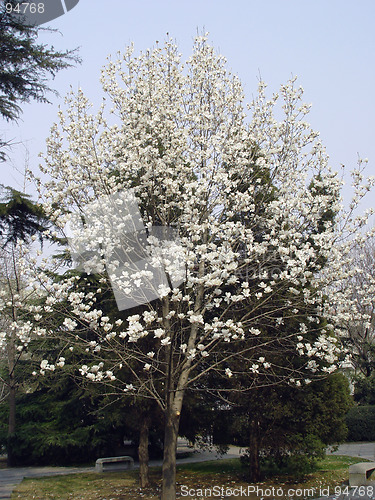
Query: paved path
x,y
10,478
363,450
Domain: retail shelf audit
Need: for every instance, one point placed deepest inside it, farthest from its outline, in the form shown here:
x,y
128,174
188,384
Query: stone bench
x,y
114,464
359,474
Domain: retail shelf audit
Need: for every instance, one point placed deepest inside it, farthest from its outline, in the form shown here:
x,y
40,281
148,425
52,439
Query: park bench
x,y
113,464
359,474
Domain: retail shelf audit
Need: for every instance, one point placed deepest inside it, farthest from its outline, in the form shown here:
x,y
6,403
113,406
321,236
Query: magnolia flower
x,y
159,332
69,324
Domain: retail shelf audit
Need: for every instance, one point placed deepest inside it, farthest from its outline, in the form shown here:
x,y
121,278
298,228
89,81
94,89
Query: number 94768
x,y
25,8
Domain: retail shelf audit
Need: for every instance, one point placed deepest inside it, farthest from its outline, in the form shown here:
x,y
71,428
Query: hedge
x,y
361,423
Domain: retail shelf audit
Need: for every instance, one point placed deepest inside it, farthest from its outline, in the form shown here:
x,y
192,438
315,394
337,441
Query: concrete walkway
x,y
362,450
10,478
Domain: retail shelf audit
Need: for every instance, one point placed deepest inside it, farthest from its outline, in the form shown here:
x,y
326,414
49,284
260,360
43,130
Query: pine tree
x,y
25,66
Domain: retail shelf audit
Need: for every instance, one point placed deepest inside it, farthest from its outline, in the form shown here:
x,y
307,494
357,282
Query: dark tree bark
x,y
169,459
11,353
144,479
11,419
254,450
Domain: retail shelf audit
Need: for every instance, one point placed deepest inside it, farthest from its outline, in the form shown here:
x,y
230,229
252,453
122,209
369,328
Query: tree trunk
x,y
144,479
11,421
11,399
12,409
169,459
254,451
174,398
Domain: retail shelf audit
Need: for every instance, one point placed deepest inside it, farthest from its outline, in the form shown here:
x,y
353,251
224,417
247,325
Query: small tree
x,y
177,145
16,330
21,222
287,426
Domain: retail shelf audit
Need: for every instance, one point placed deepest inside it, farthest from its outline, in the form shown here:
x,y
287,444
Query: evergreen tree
x,y
25,65
20,217
21,220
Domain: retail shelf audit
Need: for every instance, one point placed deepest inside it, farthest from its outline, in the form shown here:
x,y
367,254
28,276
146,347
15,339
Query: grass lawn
x,y
225,475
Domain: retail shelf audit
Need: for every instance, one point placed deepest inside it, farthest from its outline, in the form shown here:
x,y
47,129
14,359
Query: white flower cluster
x,y
96,373
262,235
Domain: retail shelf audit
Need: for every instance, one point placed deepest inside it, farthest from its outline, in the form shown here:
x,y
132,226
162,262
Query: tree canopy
x,y
231,217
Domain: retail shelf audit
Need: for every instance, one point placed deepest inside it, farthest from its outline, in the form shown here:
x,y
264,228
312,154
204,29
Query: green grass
x,y
213,467
332,471
336,462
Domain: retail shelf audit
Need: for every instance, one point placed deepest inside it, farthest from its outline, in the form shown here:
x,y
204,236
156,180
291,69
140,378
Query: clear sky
x,y
328,44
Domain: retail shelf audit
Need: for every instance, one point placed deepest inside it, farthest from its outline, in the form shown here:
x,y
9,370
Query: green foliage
x,y
60,425
364,390
302,459
20,218
25,64
63,422
292,425
284,426
361,423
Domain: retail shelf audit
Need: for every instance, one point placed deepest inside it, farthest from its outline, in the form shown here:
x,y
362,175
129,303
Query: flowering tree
x,y
246,200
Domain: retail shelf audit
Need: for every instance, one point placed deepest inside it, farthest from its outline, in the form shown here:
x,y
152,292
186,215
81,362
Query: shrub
x,y
364,390
298,458
361,423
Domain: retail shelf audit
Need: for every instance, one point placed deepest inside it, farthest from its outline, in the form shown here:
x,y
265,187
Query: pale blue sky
x,y
328,44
